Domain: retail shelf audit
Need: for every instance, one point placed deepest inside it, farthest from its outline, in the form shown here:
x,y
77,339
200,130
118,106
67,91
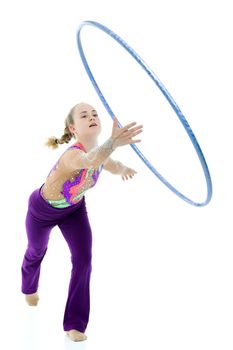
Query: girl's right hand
x,y
123,136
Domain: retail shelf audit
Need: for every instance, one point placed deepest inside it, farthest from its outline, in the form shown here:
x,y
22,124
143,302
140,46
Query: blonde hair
x,y
53,141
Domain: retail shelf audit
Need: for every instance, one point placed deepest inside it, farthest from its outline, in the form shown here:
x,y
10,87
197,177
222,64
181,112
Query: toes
x,y
76,335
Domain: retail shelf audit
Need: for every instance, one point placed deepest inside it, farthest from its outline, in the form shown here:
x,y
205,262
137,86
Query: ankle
x,y
32,299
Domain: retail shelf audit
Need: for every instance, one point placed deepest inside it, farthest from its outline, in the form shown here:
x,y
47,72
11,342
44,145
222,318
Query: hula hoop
x,y
168,97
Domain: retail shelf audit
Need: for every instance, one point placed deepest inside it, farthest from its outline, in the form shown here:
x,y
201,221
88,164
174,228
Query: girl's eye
x,y
95,115
84,116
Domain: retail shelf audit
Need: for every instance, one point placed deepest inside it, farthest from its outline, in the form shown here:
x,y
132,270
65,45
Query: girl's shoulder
x,y
69,154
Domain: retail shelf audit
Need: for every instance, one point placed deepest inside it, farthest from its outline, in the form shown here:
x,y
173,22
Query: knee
x,y
36,253
82,259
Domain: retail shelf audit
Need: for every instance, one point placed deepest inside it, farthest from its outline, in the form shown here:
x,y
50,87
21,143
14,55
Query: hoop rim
x,y
169,98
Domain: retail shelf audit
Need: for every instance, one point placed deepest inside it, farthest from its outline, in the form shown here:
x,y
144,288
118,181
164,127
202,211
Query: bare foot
x,y
32,299
76,335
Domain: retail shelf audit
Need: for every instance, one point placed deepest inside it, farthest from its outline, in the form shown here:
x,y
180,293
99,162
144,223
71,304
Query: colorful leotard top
x,y
73,191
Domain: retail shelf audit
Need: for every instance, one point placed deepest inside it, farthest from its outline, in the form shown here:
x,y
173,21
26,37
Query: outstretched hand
x,y
127,172
123,136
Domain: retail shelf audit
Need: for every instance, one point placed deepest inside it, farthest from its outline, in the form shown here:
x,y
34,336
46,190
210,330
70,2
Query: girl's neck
x,y
87,144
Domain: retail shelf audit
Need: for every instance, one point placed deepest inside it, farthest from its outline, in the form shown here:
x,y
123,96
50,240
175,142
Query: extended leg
x,y
77,232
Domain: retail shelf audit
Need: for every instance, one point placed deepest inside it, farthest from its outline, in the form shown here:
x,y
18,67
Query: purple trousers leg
x,y
74,225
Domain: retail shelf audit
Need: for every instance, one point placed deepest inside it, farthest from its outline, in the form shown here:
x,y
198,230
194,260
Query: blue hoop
x,y
168,97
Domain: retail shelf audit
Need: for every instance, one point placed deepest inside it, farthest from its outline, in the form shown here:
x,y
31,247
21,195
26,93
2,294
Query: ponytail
x,y
53,142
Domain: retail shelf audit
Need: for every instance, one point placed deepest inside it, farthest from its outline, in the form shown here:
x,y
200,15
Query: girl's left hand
x,y
127,172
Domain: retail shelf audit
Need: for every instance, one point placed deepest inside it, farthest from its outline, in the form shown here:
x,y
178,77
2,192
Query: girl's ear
x,y
71,128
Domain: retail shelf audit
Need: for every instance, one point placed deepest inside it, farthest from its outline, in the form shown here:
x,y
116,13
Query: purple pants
x,y
74,225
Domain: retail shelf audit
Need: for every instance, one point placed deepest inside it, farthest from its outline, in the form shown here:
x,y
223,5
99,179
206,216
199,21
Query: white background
x,y
162,269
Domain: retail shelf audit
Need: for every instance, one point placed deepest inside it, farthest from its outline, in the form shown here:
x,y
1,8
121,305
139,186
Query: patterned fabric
x,y
73,191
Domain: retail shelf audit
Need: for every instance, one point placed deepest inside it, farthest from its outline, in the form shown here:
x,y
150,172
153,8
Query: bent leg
x,y
38,236
77,233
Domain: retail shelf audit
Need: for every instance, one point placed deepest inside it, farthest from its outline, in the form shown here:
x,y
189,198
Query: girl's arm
x,y
117,168
78,159
96,156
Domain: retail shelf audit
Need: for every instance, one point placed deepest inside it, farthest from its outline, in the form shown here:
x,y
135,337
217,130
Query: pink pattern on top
x,y
85,179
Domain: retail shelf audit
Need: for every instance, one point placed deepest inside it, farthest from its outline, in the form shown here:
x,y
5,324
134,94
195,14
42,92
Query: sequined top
x,y
64,188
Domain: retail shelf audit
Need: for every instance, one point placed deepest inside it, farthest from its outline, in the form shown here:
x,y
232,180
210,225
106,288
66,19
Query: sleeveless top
x,y
73,191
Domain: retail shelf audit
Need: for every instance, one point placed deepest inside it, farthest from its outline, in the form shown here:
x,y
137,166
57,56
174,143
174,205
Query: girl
x,y
61,201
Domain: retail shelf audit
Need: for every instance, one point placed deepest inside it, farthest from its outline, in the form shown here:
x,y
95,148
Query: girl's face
x,y
86,121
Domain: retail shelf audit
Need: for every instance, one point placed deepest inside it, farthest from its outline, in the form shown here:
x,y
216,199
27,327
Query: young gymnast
x,y
61,201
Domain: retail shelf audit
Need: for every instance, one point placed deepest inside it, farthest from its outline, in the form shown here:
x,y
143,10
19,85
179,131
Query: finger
x,y
139,127
128,126
129,142
126,133
135,141
131,134
127,136
136,133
